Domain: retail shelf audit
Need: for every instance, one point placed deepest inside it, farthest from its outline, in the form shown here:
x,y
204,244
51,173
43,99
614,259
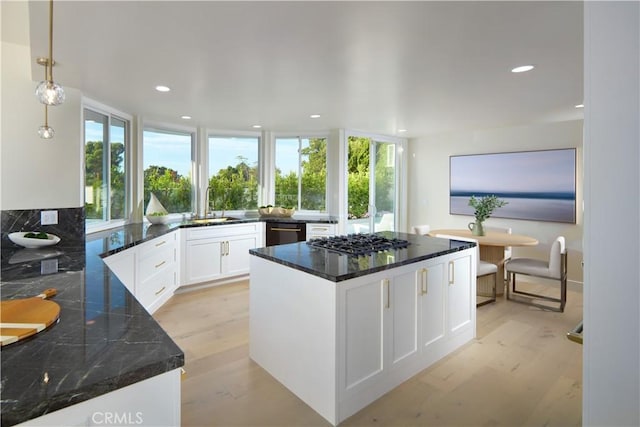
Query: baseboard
x,y
211,284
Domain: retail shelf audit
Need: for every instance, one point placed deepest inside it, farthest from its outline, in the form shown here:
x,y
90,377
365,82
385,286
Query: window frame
x,y
156,126
102,109
204,161
272,167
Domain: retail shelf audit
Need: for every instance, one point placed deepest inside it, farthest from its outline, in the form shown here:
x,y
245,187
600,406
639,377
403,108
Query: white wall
x,y
35,173
611,368
429,181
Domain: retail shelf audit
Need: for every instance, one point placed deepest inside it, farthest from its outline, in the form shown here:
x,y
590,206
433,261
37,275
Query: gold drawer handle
x,y
161,264
161,243
161,290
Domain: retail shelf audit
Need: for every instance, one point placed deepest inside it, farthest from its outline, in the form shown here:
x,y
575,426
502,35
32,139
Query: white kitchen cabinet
x,y
380,327
461,307
202,260
432,300
149,270
217,252
318,230
370,333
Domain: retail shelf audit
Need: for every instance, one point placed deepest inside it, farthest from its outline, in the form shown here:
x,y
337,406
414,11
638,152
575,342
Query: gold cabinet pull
x,y
161,290
385,282
161,243
452,277
424,285
161,264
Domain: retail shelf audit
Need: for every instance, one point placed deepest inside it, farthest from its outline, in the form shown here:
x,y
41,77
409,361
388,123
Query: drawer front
x,y
212,231
161,258
159,243
320,230
156,286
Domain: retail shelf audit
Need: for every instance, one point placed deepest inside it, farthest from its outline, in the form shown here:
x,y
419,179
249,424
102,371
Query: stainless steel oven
x,y
281,232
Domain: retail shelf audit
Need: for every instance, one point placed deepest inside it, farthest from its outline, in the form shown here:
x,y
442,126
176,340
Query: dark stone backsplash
x,y
70,227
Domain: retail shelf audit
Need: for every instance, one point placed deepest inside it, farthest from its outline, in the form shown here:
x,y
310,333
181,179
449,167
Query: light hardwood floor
x,y
520,370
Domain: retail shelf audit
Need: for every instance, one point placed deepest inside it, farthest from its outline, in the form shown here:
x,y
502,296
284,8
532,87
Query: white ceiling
x,y
427,67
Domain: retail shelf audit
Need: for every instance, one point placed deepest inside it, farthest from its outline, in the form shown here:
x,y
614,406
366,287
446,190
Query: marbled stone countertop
x,y
104,340
337,267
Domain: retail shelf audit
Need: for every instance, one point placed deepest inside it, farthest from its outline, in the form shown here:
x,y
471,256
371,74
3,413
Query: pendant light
x,y
49,92
45,131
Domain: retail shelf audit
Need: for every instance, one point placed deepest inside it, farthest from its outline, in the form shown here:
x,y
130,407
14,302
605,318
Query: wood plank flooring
x,y
520,370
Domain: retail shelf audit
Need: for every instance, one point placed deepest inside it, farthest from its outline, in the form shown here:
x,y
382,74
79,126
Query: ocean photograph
x,y
537,185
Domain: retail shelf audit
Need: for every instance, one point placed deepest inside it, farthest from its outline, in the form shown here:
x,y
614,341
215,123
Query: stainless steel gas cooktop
x,y
358,244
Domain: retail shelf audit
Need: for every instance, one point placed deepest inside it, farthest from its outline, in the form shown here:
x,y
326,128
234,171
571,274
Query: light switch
x,y
48,217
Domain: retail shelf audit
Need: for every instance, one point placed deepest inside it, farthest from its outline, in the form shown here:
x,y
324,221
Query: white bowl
x,y
28,242
157,219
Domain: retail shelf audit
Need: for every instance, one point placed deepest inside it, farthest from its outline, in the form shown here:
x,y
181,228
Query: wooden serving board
x,y
22,318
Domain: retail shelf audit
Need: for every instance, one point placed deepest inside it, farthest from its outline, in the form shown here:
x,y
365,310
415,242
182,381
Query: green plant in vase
x,y
484,207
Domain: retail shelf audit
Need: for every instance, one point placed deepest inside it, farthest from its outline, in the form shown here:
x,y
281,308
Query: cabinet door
x,y
432,303
363,335
402,318
236,254
203,259
459,293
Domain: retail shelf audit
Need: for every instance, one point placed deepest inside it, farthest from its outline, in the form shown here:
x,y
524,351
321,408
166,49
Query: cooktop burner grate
x,y
358,244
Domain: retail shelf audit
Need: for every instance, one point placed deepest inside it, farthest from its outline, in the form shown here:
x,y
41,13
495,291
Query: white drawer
x,y
159,243
320,230
158,259
207,232
156,286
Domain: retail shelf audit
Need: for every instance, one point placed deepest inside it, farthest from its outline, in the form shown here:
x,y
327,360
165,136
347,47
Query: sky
x,y
174,150
549,170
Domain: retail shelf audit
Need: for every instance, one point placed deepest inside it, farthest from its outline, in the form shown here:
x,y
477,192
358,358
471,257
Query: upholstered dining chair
x,y
555,269
421,229
483,268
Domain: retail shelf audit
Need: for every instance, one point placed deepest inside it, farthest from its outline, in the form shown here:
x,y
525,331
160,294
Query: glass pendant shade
x,y
46,132
50,93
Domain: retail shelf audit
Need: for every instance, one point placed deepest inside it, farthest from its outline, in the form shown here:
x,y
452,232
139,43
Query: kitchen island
x,y
341,330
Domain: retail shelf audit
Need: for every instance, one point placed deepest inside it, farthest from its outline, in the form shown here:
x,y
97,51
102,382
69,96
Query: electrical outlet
x,y
48,266
48,217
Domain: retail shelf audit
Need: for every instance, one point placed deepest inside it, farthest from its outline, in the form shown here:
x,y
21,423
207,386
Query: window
x,y
105,145
167,169
233,173
301,173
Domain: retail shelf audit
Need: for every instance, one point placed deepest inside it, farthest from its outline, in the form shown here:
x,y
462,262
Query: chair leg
x,y
528,298
493,292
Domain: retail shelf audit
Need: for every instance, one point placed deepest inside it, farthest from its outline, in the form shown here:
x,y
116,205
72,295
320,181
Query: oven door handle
x,y
285,229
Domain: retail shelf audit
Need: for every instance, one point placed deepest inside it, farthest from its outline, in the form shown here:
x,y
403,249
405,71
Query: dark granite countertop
x,y
337,267
105,339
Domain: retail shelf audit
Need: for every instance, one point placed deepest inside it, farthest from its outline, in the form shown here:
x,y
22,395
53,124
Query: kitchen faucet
x,y
206,203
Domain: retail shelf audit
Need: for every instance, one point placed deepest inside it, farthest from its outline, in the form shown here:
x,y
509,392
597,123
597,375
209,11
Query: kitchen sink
x,y
213,220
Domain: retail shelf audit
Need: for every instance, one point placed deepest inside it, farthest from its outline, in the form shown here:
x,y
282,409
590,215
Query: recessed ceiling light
x,y
315,116
185,117
256,126
580,106
522,69
161,88
401,130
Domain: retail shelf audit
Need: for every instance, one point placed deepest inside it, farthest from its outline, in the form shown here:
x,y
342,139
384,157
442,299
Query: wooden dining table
x,y
492,246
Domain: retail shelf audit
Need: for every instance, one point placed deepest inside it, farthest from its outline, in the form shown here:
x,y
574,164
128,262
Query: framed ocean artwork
x,y
537,185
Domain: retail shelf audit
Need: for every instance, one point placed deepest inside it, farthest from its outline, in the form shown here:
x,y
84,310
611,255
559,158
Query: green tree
x,y
172,189
95,178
